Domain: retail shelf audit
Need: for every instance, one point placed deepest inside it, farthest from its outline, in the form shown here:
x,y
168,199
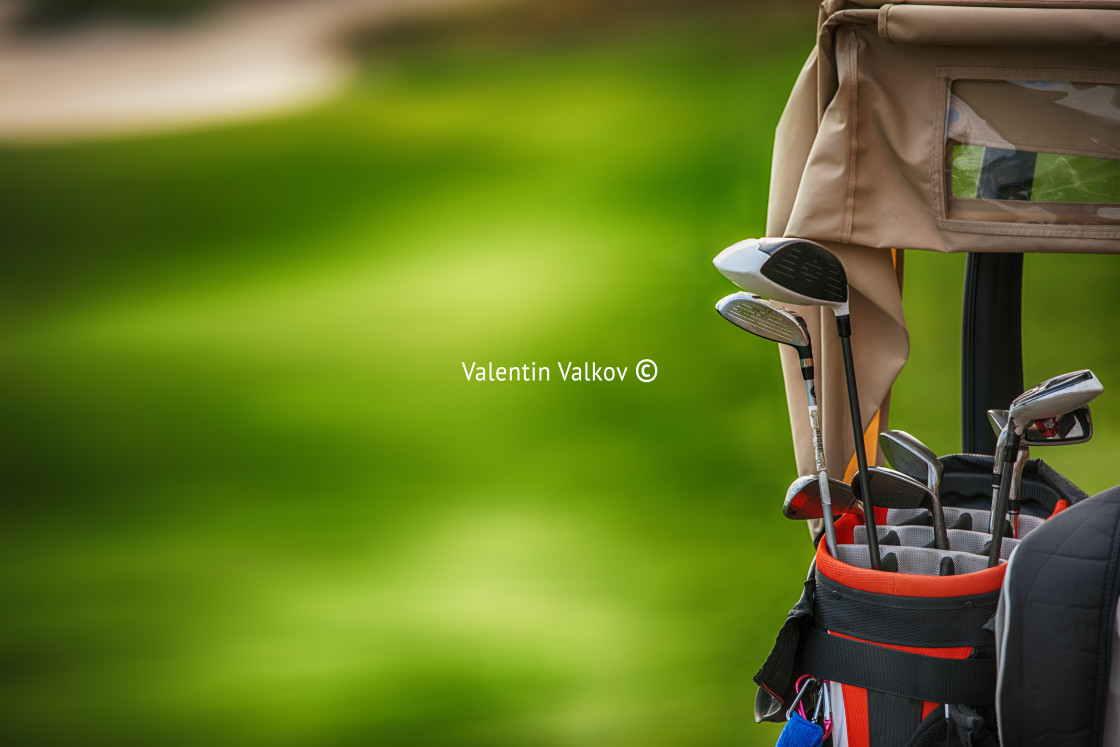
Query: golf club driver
x,y
762,318
892,489
803,499
803,272
1050,399
1074,427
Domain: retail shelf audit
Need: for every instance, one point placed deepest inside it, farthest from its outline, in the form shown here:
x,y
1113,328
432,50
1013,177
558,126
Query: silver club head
x,y
892,489
1054,397
912,457
761,317
787,270
1075,427
998,419
803,499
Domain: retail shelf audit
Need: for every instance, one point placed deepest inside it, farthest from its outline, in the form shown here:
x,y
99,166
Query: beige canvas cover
x,y
881,149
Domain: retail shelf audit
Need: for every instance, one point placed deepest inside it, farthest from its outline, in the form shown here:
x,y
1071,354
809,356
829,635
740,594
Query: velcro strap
x,y
927,678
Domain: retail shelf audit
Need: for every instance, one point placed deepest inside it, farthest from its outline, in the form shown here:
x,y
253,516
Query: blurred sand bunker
x,y
237,61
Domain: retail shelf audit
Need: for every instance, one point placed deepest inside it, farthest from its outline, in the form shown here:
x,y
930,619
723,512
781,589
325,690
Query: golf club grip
x,y
857,430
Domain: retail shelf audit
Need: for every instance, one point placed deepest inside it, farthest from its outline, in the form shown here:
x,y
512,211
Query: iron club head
x,y
1074,427
892,489
1054,397
911,457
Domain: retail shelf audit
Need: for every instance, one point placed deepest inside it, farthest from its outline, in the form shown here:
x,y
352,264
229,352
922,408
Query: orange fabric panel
x,y
855,716
952,652
870,445
902,584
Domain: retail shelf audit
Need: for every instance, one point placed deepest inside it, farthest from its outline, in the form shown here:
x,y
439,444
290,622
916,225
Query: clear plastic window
x,y
1043,152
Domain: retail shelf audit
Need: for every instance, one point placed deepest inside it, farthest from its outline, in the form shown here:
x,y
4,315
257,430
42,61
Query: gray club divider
x,y
916,560
980,518
919,537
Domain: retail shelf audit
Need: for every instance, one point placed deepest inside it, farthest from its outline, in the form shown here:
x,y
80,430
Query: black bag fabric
x,y
1055,628
897,647
954,726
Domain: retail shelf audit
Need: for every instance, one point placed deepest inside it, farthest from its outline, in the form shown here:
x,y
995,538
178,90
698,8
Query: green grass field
x,y
252,498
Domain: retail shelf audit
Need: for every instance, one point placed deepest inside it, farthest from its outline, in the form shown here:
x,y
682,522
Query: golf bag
x,y
910,656
949,126
1057,631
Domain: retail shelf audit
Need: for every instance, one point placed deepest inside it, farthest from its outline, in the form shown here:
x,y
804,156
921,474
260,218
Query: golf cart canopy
x,y
945,125
955,128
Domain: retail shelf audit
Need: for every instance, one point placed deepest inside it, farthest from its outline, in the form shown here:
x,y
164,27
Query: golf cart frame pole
x,y
991,324
991,344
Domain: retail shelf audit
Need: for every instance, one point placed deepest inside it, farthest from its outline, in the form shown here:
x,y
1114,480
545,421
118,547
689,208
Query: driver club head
x,y
912,457
788,270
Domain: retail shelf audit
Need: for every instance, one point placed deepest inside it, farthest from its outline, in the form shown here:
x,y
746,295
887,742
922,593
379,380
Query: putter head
x,y
787,270
1054,397
761,317
803,499
912,457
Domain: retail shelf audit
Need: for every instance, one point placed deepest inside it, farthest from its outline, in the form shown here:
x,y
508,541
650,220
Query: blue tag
x,y
801,733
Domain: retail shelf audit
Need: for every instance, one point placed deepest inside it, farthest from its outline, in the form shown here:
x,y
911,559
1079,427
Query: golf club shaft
x,y
997,475
844,328
1015,495
999,510
940,532
827,517
822,474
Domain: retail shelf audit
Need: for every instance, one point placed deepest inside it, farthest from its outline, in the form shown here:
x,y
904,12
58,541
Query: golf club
x,y
914,459
804,272
1074,427
1050,399
803,499
893,489
761,317
911,457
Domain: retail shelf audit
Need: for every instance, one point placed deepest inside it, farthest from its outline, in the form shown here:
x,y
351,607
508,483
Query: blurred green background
x,y
251,498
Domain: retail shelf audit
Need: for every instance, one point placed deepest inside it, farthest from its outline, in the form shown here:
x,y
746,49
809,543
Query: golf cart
x,y
957,126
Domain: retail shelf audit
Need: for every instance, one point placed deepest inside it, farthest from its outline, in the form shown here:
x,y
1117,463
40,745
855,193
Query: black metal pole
x,y
991,325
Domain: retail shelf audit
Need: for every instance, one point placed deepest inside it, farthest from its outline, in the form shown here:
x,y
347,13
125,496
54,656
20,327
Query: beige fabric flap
x,y
876,169
880,346
863,150
1004,26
